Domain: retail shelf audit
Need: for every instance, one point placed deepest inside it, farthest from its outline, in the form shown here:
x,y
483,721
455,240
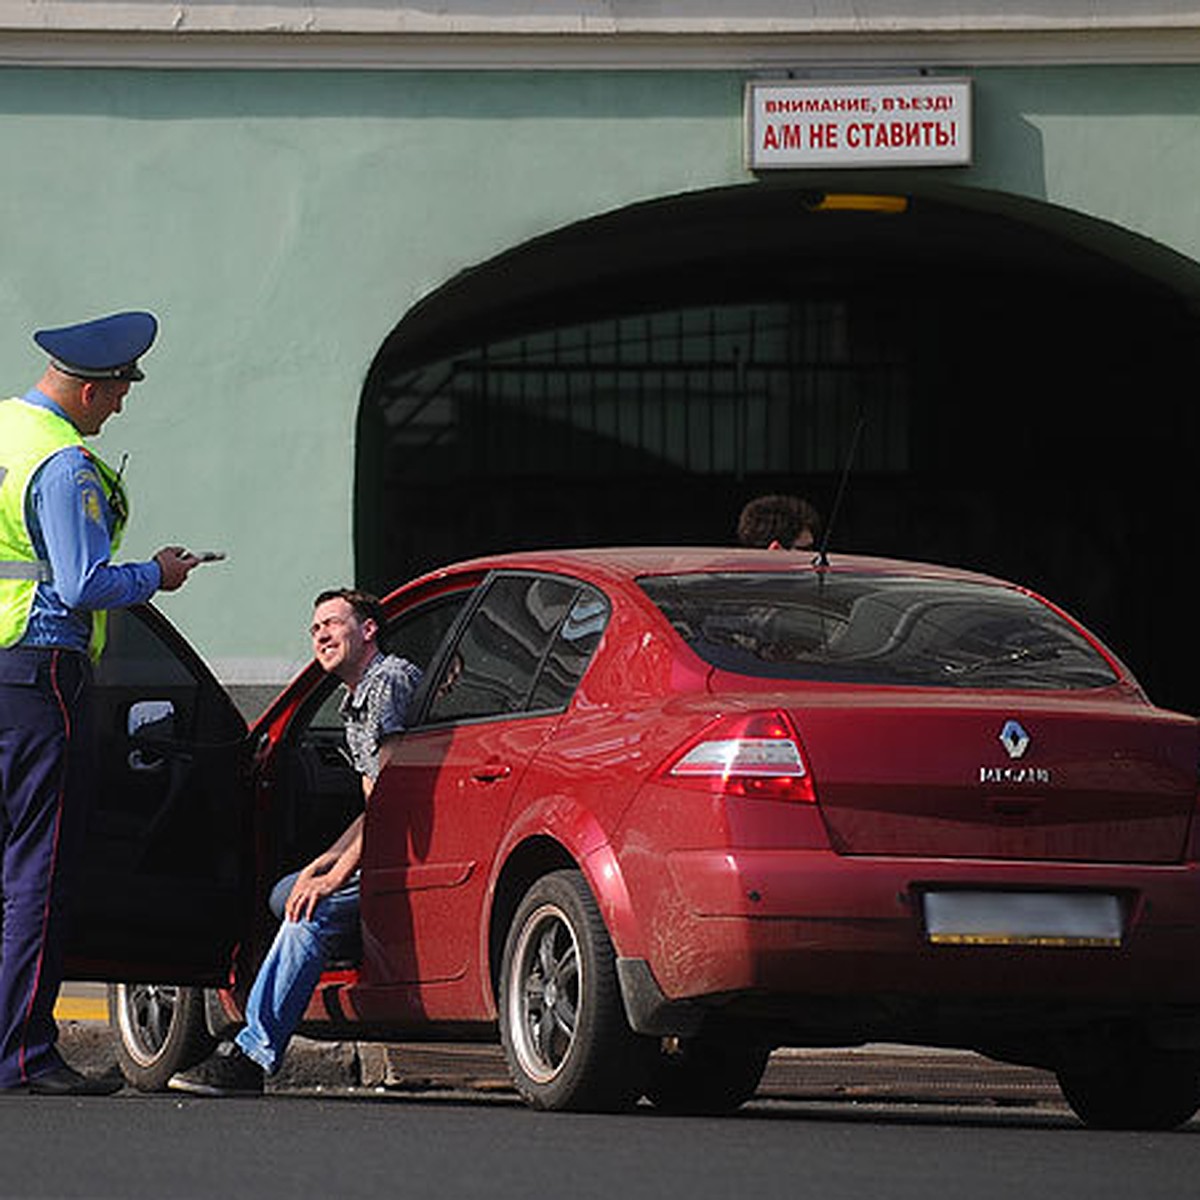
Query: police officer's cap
x,y
106,348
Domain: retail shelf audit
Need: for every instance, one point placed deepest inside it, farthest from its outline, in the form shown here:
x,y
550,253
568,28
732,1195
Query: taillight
x,y
754,754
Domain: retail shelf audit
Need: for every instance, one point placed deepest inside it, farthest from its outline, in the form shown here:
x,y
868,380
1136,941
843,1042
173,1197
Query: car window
x,y
138,664
870,628
524,646
572,650
135,655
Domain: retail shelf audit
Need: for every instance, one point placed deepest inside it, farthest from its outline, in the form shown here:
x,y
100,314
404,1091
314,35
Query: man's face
x,y
342,643
100,400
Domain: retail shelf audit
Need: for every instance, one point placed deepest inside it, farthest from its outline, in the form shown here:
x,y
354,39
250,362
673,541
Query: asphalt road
x,y
380,1144
892,1122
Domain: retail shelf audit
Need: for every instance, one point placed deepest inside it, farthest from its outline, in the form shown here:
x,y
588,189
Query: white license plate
x,y
1022,918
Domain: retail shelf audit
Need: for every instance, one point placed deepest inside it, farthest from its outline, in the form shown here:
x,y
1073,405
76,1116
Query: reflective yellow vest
x,y
29,435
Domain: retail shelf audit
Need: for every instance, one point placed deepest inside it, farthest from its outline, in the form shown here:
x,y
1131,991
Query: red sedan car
x,y
661,811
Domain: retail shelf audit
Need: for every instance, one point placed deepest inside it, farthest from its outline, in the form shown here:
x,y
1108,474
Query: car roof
x,y
627,563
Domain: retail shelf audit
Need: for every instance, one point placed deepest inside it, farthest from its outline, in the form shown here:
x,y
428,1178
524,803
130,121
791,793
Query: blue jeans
x,y
289,973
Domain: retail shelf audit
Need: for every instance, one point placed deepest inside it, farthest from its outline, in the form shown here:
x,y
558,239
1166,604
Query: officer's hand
x,y
174,562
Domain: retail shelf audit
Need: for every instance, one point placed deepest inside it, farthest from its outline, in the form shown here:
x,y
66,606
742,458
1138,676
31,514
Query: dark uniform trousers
x,y
47,778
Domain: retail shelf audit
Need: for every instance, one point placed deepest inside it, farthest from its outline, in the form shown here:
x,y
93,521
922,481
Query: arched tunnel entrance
x,y
1022,376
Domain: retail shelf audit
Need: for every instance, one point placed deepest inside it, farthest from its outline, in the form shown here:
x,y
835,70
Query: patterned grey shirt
x,y
377,707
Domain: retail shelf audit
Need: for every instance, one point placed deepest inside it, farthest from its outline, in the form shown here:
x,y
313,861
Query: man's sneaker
x,y
226,1072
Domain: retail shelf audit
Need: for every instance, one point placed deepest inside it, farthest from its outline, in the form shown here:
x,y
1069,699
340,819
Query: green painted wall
x,y
281,223
1120,143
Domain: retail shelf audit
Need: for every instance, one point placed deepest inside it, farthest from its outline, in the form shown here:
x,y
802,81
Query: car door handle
x,y
140,762
491,772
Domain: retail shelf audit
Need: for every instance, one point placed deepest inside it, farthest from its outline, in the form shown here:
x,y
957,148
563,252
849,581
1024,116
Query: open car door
x,y
167,868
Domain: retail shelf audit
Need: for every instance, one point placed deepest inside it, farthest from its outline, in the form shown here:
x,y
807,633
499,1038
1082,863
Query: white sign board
x,y
908,123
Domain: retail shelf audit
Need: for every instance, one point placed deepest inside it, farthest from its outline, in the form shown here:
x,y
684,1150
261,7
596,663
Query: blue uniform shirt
x,y
70,523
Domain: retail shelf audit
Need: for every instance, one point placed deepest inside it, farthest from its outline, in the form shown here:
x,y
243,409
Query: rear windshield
x,y
876,629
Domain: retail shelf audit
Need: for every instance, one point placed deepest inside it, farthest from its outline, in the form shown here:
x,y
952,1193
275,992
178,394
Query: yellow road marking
x,y
81,1008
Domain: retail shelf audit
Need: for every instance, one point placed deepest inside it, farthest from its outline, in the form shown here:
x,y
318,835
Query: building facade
x,y
435,283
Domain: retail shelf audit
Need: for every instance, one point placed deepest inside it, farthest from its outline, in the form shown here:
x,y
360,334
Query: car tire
x,y
159,1029
706,1075
1133,1087
567,1042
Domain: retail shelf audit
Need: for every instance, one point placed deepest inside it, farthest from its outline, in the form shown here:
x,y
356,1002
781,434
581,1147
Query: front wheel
x,y
160,1030
1133,1086
562,1021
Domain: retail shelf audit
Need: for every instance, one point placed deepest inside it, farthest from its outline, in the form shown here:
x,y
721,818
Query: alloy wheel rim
x,y
145,1012
544,994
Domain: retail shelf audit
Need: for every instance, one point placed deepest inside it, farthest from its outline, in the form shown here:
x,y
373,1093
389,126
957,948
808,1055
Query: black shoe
x,y
66,1081
226,1072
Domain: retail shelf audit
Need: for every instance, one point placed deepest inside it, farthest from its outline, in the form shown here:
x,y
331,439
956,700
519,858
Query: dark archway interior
x,y
1022,375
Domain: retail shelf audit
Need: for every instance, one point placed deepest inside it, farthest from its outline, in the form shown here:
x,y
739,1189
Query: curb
x,y
861,1075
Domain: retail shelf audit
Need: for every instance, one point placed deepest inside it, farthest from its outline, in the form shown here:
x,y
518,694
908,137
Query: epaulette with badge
x,y
102,480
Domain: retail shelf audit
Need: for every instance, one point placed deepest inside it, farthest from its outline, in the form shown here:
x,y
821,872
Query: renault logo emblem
x,y
1014,738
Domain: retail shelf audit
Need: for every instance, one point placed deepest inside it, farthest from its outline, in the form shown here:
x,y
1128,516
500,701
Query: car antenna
x,y
821,559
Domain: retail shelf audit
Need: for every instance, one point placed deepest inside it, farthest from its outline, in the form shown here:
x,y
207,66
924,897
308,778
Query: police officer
x,y
62,511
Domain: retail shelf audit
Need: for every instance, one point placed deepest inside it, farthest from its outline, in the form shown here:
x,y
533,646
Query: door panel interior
x,y
167,861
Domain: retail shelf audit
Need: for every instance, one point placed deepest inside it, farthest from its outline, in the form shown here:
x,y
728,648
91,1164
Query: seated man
x,y
318,905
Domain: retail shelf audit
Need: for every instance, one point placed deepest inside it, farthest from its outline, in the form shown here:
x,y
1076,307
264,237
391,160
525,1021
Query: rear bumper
x,y
807,923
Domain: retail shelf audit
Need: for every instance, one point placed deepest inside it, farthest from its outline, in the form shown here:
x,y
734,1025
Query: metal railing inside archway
x,y
744,390
634,428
